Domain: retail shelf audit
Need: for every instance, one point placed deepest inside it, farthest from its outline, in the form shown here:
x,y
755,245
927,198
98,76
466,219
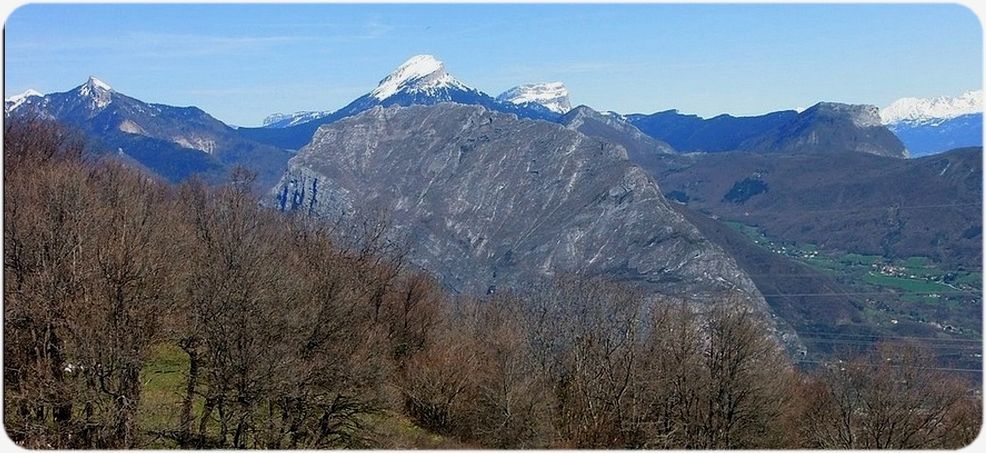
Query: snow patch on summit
x,y
280,120
99,92
99,83
550,95
16,100
421,73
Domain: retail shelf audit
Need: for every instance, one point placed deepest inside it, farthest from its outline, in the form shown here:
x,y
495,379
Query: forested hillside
x,y
139,314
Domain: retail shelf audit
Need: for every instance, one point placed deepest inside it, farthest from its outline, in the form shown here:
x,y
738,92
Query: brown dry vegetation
x,y
298,334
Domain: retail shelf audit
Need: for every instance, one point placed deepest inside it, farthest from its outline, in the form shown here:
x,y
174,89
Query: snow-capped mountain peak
x,y
932,110
278,120
26,94
94,85
16,100
551,95
419,74
421,80
99,92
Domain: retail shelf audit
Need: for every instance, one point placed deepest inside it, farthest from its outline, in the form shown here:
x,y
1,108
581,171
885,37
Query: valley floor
x,y
911,297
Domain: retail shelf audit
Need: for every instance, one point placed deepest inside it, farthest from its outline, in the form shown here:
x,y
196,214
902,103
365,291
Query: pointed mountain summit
x,y
85,102
100,93
174,142
420,74
94,85
421,80
550,95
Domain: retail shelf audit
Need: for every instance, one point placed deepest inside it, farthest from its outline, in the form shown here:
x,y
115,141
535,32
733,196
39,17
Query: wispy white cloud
x,y
185,45
157,45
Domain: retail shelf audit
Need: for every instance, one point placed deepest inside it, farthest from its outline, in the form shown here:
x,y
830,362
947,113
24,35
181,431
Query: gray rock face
x,y
616,129
831,127
492,201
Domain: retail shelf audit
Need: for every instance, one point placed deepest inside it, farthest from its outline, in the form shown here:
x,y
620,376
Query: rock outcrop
x,y
492,201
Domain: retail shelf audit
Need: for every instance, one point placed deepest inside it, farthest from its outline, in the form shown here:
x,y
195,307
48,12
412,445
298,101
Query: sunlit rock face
x,y
489,201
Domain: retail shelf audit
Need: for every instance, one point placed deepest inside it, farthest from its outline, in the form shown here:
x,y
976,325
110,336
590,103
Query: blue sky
x,y
243,62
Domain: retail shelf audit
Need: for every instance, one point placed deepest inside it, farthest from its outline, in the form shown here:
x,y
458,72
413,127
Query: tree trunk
x,y
189,346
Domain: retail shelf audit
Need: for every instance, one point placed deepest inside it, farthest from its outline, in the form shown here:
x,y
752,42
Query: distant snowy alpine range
x,y
934,125
423,80
925,126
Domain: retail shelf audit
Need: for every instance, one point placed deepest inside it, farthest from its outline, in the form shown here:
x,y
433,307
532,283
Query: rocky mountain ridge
x,y
173,142
491,201
421,80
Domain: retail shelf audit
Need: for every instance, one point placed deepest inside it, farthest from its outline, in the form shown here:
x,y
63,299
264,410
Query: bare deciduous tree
x,y
300,333
894,397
